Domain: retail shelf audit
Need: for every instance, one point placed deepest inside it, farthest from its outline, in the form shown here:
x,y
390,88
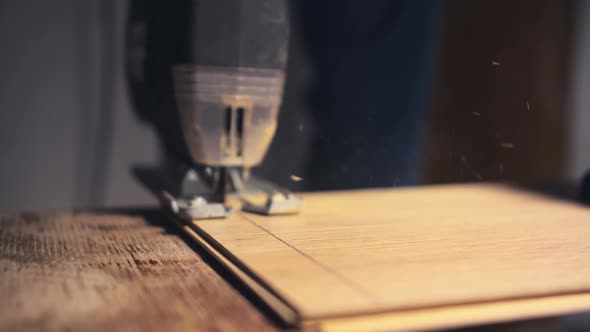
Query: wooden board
x,y
112,272
412,259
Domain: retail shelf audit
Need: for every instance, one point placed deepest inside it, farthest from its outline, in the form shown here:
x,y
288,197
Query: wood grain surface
x,y
441,256
111,272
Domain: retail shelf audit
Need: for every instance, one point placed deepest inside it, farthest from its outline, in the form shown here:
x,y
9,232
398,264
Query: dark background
x,y
455,91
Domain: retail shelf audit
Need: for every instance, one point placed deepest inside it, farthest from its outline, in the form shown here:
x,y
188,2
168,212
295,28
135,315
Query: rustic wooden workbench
x,y
127,271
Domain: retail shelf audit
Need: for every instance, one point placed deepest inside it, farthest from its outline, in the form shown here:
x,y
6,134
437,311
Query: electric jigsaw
x,y
228,85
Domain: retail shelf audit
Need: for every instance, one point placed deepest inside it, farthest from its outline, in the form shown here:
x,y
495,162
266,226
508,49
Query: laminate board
x,y
473,251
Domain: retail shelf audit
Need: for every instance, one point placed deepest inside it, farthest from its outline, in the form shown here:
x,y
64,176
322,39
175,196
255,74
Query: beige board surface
x,y
402,251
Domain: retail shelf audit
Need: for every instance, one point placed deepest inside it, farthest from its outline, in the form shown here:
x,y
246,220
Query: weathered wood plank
x,y
111,272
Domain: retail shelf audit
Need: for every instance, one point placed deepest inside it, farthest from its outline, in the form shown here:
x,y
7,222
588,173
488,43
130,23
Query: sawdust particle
x,y
296,178
58,260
